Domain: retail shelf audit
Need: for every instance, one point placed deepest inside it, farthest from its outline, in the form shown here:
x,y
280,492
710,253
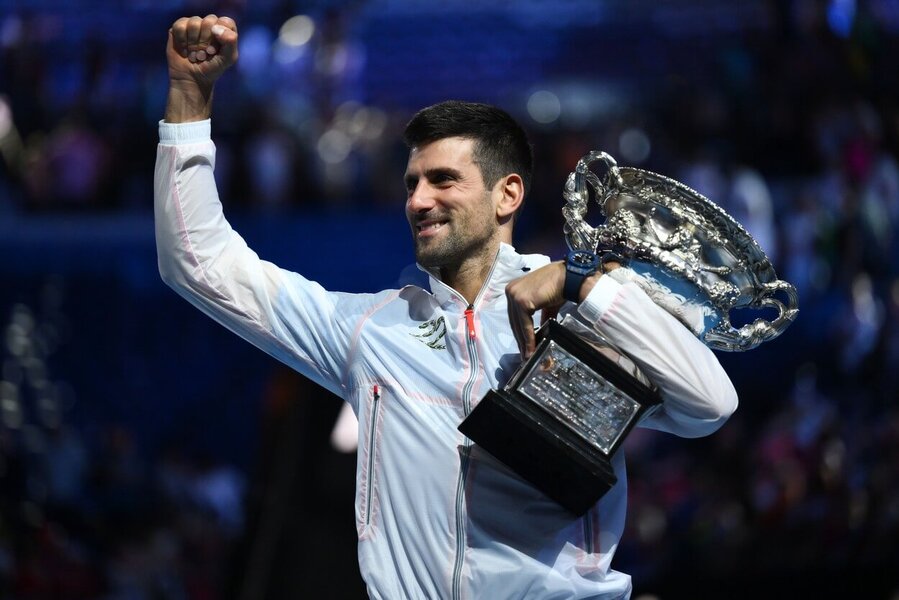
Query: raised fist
x,y
200,49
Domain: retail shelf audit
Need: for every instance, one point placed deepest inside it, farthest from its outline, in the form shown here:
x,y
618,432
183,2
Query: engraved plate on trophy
x,y
566,411
579,397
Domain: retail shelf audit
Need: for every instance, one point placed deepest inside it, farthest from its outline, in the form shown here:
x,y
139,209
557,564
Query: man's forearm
x,y
188,103
698,395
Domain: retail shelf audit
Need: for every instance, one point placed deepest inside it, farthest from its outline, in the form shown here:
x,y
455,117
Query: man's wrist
x,y
188,102
579,265
587,286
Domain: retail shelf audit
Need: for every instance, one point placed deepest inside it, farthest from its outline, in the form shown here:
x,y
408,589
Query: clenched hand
x,y
199,50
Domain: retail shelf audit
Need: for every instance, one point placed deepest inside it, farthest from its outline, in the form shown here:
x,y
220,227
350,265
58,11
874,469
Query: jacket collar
x,y
507,265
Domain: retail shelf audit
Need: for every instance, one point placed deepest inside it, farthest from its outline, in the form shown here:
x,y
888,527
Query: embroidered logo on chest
x,y
431,333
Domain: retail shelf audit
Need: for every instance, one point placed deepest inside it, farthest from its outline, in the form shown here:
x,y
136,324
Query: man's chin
x,y
429,258
427,261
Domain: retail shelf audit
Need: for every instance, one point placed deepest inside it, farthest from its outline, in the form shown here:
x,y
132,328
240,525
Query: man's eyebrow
x,y
432,174
443,172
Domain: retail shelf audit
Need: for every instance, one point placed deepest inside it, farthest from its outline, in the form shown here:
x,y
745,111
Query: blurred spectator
x,y
69,170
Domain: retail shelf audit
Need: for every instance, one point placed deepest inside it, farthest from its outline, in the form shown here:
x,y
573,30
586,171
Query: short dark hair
x,y
501,145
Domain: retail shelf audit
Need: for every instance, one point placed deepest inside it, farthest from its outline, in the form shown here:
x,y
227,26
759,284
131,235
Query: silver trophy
x,y
693,258
566,411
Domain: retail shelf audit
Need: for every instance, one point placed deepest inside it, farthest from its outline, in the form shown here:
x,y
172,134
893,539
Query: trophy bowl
x,y
686,249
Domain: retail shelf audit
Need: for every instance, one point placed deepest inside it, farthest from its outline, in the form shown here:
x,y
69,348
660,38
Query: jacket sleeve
x,y
697,395
204,260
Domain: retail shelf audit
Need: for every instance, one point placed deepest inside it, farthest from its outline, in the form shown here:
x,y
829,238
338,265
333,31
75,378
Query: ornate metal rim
x,y
702,225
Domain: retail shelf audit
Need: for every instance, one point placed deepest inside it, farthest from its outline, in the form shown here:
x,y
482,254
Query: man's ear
x,y
509,192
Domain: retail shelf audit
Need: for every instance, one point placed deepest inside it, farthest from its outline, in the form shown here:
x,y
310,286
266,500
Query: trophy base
x,y
533,444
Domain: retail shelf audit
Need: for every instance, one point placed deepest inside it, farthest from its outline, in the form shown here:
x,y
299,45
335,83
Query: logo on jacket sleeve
x,y
430,333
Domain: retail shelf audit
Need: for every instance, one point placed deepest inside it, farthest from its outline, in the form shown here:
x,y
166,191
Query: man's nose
x,y
420,199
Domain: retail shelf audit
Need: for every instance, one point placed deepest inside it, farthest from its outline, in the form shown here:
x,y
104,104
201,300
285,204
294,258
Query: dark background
x,y
147,453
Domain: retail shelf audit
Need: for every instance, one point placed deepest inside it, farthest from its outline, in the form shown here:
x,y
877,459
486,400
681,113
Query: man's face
x,y
451,213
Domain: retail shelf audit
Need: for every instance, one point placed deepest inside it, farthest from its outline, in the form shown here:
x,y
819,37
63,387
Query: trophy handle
x,y
725,337
578,233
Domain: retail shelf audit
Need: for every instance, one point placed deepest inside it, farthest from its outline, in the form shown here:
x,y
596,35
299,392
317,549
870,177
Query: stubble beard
x,y
454,249
434,254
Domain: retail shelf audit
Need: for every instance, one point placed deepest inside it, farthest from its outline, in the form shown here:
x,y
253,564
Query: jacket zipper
x,y
469,321
471,344
376,401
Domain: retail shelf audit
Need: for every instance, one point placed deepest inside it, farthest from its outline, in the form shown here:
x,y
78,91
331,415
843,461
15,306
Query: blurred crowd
x,y
106,524
85,512
790,122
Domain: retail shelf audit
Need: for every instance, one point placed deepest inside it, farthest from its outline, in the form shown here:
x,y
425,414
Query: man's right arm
x,y
198,51
201,257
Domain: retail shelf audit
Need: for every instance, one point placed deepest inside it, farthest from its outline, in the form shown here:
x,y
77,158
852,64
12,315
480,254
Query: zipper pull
x,y
469,321
376,392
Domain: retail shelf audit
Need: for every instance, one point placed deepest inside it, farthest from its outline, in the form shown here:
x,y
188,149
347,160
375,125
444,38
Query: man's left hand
x,y
538,290
541,290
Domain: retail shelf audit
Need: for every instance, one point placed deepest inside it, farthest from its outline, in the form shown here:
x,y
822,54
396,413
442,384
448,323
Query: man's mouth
x,y
428,228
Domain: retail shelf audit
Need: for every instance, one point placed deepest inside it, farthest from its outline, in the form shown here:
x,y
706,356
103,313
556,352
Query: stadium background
x,y
146,453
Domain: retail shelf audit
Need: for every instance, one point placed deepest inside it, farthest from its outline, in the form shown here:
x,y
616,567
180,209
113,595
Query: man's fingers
x,y
522,322
205,39
550,312
528,341
229,23
199,51
199,39
179,36
538,290
206,28
518,331
193,37
226,40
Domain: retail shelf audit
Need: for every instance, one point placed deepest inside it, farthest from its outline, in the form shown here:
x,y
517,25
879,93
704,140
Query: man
x,y
437,517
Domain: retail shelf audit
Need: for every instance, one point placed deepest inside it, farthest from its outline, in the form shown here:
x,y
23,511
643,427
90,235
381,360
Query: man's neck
x,y
469,277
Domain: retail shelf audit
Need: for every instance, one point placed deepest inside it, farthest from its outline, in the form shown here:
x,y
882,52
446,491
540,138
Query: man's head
x,y
500,144
469,167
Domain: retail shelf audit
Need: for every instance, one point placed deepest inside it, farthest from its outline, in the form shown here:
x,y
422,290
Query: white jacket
x,y
436,516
